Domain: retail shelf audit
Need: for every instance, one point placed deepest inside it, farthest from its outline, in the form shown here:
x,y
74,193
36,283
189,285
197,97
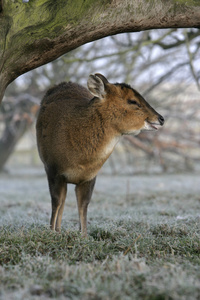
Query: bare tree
x,y
17,115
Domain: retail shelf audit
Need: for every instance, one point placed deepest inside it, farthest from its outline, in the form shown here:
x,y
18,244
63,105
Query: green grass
x,y
141,246
158,241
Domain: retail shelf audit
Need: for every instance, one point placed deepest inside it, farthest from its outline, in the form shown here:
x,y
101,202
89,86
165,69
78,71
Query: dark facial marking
x,y
133,102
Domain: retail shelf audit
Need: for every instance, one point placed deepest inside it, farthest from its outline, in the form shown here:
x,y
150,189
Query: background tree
x,y
37,32
17,115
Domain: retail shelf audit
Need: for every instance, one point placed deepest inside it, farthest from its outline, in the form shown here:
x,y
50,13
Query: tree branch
x,y
37,32
190,37
190,55
162,78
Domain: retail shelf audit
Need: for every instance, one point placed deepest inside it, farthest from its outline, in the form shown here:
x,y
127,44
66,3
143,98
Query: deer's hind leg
x,y
58,191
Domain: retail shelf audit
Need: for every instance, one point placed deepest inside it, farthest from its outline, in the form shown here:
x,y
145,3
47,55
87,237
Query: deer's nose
x,y
161,120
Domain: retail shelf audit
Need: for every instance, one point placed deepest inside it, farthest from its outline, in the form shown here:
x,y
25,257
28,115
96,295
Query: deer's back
x,y
67,93
64,126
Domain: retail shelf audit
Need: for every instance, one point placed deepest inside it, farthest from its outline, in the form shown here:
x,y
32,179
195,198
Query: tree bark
x,y
37,32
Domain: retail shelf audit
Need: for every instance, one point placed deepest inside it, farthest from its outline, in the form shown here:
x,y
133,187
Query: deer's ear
x,y
97,85
103,78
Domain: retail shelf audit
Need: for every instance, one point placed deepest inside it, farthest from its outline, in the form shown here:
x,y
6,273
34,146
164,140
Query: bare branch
x,y
191,55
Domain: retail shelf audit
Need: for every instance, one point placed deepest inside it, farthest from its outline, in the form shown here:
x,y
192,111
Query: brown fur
x,y
77,130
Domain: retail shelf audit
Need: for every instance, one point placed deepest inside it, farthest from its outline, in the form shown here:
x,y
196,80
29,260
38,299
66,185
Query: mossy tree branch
x,y
38,32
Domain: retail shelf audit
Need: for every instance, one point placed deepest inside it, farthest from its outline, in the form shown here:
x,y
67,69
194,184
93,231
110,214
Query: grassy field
x,y
144,240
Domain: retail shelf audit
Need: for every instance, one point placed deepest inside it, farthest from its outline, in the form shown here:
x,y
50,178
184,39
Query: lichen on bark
x,y
38,32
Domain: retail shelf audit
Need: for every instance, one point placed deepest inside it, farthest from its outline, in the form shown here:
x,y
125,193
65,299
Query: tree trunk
x,y
10,138
37,32
17,119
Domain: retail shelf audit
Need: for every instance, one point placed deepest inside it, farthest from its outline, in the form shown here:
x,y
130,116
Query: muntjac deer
x,y
77,130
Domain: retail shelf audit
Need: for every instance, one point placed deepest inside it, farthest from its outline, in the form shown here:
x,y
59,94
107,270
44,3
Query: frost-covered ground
x,y
144,239
25,196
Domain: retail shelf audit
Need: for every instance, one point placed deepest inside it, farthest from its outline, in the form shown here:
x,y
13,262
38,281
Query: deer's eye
x,y
133,102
